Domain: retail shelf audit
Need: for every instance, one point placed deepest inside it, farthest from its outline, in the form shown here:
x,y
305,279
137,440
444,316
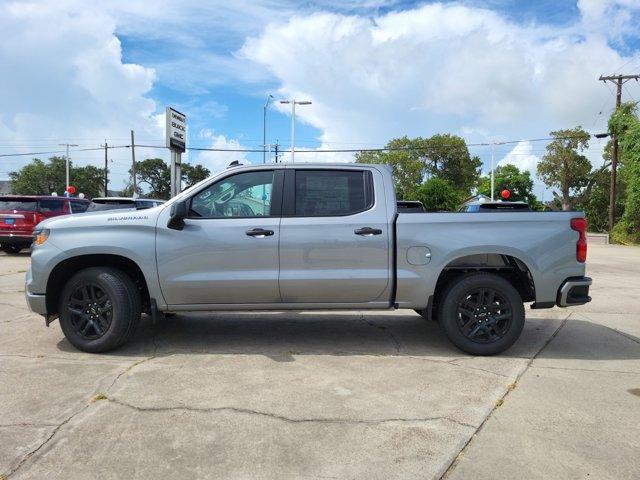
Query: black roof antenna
x,y
235,163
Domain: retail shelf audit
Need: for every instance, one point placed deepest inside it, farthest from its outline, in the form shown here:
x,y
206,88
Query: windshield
x,y
96,207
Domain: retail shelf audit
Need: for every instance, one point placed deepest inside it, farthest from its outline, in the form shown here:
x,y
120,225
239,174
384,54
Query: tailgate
x,y
18,216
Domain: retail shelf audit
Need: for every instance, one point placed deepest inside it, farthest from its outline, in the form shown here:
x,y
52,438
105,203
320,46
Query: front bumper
x,y
574,291
37,302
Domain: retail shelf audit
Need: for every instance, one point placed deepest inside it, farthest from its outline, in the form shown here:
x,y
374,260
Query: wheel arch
x,y
506,265
68,267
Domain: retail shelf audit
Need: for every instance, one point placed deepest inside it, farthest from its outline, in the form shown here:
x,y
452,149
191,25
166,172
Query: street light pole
x,y
493,147
264,129
492,180
293,103
67,161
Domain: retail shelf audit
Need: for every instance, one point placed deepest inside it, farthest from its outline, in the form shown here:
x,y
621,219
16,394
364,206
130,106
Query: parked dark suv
x,y
19,215
495,207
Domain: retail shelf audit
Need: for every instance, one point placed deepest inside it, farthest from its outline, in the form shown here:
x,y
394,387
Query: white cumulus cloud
x,y
441,67
64,80
216,161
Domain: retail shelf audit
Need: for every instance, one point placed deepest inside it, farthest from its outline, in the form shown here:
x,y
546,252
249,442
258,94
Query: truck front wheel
x,y
481,313
99,309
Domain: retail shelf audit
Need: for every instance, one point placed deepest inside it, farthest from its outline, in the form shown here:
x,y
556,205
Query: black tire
x,y
12,249
111,316
481,313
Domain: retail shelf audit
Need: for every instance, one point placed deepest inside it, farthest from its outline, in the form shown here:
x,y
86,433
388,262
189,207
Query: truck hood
x,y
102,219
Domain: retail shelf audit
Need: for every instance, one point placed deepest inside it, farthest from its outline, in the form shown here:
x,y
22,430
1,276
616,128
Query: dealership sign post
x,y
176,132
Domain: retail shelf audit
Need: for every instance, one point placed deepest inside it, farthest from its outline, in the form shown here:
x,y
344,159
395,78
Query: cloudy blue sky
x,y
495,70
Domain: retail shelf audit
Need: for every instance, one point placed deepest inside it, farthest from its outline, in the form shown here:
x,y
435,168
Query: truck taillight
x,y
580,226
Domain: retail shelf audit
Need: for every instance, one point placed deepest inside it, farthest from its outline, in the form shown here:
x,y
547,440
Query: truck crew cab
x,y
303,237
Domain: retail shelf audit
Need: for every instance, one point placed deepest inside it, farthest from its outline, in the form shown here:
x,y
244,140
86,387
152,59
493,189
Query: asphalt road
x,y
327,395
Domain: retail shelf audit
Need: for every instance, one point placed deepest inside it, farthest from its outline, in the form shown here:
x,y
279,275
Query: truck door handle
x,y
367,231
259,232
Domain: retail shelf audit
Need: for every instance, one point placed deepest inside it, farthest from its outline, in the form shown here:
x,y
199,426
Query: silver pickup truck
x,y
303,237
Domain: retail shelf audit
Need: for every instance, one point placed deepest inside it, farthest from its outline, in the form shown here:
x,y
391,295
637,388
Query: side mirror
x,y
179,211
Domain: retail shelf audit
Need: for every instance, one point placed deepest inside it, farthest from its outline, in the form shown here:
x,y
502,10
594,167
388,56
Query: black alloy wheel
x,y
99,309
481,313
91,311
484,315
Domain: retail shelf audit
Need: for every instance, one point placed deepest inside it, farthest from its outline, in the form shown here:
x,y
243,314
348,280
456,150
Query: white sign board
x,y
176,130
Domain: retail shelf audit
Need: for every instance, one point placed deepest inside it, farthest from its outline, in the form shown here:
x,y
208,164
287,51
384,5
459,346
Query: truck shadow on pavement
x,y
282,335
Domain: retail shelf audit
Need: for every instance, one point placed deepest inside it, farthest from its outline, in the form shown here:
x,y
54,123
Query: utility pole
x,y
293,103
619,80
133,165
106,169
67,160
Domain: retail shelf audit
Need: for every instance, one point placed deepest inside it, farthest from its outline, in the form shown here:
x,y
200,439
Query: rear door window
x,y
322,193
52,206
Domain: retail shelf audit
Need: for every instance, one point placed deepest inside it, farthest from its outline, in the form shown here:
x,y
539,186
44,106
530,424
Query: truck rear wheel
x,y
99,309
481,313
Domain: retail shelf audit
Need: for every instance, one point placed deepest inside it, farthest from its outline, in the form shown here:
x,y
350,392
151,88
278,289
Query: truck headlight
x,y
40,236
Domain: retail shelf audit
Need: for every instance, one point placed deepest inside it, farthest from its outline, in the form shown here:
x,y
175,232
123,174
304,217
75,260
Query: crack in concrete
x,y
81,360
45,442
137,362
625,335
12,273
394,339
595,370
248,411
27,424
69,418
11,305
500,401
481,370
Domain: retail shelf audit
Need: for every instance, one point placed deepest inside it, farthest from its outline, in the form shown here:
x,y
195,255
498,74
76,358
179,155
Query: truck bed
x,y
541,241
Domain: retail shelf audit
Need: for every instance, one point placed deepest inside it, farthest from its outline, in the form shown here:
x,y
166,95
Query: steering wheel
x,y
225,196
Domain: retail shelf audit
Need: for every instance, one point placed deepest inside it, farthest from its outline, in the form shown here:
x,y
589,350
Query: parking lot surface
x,y
371,395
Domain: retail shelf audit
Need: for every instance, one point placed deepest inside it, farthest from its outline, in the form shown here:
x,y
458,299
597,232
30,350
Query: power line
x,y
259,150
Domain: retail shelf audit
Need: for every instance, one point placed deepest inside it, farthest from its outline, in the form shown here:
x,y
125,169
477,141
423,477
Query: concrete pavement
x,y
326,395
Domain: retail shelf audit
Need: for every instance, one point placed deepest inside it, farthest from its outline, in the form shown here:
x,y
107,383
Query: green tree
x,y
511,178
192,174
595,203
406,166
624,123
563,166
411,159
594,198
44,178
155,174
447,156
439,195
